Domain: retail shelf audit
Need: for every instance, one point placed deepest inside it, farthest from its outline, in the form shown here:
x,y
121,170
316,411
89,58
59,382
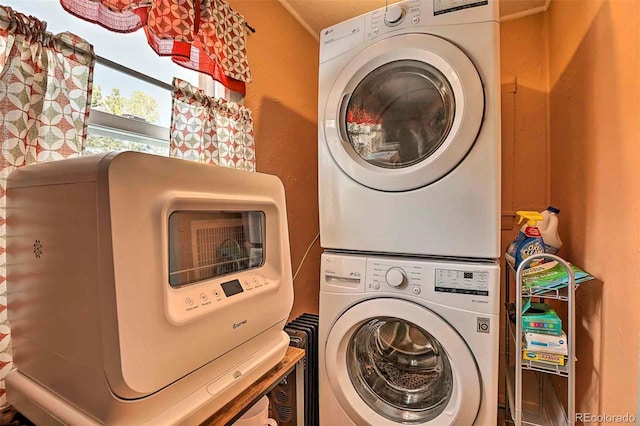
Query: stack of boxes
x,y
544,340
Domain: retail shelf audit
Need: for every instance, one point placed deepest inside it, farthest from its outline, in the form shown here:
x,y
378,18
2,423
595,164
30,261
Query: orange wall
x,y
574,123
283,97
524,114
523,71
594,98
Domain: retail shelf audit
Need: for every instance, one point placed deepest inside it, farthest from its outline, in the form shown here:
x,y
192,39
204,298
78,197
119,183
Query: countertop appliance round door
x,y
400,116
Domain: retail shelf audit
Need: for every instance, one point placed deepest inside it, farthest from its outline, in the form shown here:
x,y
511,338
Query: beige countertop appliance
x,y
142,289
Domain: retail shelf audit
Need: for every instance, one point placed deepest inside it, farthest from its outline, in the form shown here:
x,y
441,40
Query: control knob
x,y
394,15
396,277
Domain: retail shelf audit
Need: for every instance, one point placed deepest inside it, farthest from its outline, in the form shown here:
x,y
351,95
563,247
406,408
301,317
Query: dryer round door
x,y
391,361
404,112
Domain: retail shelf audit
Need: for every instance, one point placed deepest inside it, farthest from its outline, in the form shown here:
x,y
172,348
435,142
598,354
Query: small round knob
x,y
394,15
396,277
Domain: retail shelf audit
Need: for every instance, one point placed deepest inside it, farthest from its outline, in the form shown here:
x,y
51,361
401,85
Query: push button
x,y
416,290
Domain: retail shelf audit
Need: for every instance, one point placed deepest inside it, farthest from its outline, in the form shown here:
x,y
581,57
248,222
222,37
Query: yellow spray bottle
x,y
527,243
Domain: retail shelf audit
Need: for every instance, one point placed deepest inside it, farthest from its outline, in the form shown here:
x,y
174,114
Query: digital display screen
x,y
231,287
462,282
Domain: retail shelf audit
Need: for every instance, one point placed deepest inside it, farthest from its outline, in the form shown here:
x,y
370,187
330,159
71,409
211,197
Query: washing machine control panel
x,y
395,277
462,282
384,275
469,285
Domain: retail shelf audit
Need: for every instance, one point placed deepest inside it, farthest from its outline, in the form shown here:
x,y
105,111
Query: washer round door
x,y
391,361
404,112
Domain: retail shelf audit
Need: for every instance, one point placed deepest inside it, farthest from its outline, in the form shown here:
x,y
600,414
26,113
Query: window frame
x,y
105,124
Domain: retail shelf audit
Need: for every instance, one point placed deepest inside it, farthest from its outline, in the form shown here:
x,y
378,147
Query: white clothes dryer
x,y
405,341
409,130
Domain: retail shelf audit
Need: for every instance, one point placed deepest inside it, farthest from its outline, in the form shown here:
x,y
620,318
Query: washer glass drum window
x,y
400,370
400,114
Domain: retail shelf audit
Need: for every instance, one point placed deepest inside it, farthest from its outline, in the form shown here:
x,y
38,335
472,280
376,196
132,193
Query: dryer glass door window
x,y
403,112
397,367
400,114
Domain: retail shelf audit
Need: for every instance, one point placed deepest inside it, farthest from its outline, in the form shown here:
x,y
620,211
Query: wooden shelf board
x,y
234,408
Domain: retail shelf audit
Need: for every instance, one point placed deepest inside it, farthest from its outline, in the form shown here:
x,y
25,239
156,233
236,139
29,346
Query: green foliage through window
x,y
138,106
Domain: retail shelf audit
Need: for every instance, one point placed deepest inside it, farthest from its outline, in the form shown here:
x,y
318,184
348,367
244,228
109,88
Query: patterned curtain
x,y
210,130
203,35
45,94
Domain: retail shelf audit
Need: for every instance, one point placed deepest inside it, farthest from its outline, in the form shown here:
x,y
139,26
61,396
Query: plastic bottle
x,y
549,230
528,242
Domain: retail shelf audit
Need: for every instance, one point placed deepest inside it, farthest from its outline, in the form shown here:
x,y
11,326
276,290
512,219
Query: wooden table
x,y
237,406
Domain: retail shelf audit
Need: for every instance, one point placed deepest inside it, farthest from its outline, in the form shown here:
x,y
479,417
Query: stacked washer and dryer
x,y
409,187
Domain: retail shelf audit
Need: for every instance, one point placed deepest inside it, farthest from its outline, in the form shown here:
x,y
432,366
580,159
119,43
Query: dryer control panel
x,y
398,15
419,16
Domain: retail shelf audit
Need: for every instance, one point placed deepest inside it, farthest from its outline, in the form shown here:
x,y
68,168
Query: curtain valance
x,y
203,35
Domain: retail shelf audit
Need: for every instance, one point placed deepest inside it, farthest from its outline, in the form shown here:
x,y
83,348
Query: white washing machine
x,y
409,130
405,341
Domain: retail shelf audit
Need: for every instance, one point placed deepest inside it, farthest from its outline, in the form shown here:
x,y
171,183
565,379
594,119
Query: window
x,y
205,245
131,102
127,112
